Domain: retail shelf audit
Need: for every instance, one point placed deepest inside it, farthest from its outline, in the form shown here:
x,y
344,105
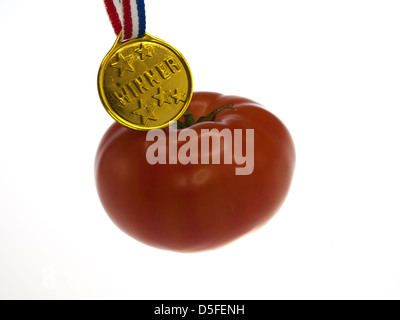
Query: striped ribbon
x,y
128,16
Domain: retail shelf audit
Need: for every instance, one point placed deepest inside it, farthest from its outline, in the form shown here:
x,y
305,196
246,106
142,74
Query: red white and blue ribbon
x,y
128,16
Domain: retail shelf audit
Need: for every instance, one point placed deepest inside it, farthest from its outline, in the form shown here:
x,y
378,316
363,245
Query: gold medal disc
x,y
145,83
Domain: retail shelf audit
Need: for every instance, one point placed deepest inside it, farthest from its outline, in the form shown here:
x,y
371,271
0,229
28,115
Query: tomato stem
x,y
189,118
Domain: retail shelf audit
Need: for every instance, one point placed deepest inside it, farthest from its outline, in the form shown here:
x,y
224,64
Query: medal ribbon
x,y
128,16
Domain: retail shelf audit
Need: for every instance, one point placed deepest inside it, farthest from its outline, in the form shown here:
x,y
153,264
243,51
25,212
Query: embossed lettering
x,y
123,97
140,85
151,78
132,90
163,71
172,65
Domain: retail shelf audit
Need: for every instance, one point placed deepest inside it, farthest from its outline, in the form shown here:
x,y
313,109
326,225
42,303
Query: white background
x,y
329,69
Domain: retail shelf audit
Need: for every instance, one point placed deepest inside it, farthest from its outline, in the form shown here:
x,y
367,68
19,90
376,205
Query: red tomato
x,y
195,207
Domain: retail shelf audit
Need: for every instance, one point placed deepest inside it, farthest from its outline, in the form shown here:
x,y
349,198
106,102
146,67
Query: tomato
x,y
195,207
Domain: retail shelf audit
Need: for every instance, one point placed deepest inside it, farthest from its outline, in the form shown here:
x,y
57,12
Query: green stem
x,y
189,118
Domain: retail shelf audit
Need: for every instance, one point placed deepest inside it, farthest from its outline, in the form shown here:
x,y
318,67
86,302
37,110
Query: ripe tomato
x,y
196,207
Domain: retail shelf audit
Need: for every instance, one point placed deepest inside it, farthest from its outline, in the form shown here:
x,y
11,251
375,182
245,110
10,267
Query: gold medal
x,y
144,83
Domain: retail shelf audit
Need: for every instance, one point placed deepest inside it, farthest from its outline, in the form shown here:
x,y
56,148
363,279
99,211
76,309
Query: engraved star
x,y
163,97
144,51
145,113
124,64
179,96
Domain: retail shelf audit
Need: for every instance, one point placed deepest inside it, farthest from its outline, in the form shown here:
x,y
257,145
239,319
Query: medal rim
x,y
100,78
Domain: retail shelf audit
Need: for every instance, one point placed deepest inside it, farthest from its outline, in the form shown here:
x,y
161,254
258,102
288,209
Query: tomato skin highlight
x,y
196,207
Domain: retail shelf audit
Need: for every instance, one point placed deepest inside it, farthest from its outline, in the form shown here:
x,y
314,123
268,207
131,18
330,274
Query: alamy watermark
x,y
201,148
